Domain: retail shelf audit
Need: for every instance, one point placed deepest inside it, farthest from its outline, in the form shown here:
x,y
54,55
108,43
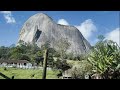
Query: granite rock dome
x,y
40,28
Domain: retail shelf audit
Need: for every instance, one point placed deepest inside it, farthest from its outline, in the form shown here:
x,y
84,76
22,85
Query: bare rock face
x,y
40,28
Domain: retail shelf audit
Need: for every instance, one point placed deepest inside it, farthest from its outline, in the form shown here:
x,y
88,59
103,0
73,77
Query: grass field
x,y
27,73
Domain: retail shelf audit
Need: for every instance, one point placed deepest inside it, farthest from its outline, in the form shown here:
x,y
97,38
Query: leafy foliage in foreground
x,y
105,58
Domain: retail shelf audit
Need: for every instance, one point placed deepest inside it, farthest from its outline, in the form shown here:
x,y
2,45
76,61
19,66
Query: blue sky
x,y
90,23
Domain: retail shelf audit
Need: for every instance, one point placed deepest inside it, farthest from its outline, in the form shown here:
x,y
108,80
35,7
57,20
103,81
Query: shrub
x,y
61,65
82,68
105,58
5,68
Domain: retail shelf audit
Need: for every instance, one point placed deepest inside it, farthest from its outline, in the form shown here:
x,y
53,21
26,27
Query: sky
x,y
89,23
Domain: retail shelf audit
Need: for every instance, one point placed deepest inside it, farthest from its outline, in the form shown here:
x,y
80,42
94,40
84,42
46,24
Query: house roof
x,y
14,61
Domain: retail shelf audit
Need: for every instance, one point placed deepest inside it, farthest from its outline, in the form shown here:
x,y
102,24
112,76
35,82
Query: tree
x,y
51,53
70,56
62,46
17,49
61,65
16,56
101,37
21,42
24,57
46,45
4,52
39,57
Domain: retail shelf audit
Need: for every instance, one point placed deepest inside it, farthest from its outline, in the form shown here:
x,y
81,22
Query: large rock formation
x,y
40,28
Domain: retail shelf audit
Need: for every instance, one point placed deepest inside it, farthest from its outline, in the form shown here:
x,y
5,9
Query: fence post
x,y
45,64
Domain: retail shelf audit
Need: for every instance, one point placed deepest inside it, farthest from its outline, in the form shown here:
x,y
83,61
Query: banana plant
x,y
105,54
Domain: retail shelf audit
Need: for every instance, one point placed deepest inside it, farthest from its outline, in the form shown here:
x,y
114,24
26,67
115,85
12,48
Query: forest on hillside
x,y
103,61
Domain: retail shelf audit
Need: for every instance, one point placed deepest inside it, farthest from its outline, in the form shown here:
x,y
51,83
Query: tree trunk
x,y
45,64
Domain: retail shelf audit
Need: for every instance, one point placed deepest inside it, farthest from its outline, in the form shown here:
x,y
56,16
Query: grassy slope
x,y
27,73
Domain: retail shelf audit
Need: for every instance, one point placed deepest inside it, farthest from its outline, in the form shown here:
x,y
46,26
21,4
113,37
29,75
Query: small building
x,y
15,63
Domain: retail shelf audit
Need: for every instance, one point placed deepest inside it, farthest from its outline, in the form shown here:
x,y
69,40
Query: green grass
x,y
72,62
27,73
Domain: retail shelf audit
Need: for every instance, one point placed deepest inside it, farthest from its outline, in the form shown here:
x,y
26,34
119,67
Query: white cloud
x,y
87,28
8,16
63,22
114,35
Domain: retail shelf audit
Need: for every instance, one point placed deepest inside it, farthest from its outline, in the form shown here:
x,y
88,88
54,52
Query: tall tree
x,y
62,46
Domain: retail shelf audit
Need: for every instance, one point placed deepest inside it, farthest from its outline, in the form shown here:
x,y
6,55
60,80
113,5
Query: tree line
x,y
103,60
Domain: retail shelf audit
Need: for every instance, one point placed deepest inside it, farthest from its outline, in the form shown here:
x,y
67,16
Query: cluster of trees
x,y
34,54
21,52
103,61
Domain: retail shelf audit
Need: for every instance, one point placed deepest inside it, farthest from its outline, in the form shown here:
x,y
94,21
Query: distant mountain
x,y
12,45
40,28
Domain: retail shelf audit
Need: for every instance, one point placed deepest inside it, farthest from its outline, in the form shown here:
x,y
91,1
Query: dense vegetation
x,y
103,61
34,54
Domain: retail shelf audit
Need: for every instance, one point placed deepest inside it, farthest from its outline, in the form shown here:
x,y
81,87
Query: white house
x,y
15,63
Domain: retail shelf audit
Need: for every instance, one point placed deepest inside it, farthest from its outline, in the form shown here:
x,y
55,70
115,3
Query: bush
x,y
61,65
24,57
82,68
5,68
105,58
